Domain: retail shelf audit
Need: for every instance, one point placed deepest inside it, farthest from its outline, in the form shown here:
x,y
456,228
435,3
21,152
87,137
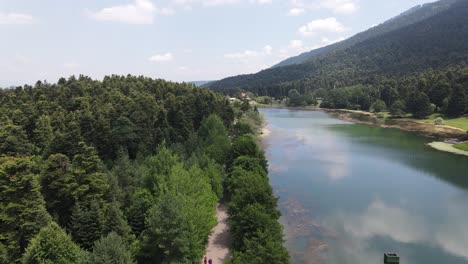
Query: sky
x,y
178,40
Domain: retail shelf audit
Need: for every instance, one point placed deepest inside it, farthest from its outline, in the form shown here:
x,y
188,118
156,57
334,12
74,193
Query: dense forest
x,y
129,170
411,59
414,15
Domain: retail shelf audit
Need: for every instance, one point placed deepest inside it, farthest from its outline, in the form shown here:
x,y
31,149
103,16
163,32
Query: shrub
x,y
378,106
380,115
439,121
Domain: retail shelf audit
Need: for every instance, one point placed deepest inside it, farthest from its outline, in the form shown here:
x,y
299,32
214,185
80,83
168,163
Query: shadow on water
x,y
409,149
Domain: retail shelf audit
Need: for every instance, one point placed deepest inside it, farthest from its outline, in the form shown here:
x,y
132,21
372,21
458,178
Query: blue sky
x,y
179,40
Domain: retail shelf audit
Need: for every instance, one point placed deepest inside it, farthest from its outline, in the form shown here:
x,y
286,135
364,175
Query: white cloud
x,y
166,57
327,25
261,2
71,65
247,54
138,12
15,19
165,11
241,55
340,6
267,50
295,43
218,2
295,11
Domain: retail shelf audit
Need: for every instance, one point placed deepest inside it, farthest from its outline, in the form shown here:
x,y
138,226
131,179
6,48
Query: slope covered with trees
x,y
436,43
414,15
123,170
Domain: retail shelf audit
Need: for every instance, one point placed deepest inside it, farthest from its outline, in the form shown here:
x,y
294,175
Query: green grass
x,y
462,146
461,122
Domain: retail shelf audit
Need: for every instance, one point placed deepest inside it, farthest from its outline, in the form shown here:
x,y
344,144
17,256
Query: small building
x,y
391,258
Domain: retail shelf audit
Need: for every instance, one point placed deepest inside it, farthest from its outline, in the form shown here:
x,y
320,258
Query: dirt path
x,y
220,240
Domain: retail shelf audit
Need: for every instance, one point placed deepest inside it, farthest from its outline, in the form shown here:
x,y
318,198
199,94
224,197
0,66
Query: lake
x,y
349,193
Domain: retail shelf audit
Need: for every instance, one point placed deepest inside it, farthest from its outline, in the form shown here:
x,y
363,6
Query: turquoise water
x,y
348,193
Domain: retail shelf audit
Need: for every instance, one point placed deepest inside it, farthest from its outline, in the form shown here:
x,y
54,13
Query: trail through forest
x,y
220,239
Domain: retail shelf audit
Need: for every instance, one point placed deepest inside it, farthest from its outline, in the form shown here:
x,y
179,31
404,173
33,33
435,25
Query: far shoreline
x,y
440,133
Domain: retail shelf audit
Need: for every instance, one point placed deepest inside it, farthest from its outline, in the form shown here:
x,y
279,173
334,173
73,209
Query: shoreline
x,y
426,130
447,147
264,132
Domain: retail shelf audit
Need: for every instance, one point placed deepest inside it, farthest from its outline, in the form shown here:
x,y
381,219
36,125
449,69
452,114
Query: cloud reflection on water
x,y
404,226
331,153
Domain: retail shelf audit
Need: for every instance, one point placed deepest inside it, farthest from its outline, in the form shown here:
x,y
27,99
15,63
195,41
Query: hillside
x,y
413,15
433,43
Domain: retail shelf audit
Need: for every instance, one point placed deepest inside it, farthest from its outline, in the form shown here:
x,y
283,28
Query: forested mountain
x,y
125,170
414,15
200,83
436,42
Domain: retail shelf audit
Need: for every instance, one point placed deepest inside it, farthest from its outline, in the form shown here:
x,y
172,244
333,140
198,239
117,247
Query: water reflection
x,y
349,192
410,149
382,221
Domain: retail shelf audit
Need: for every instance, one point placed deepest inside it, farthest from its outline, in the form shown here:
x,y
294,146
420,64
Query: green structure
x,y
391,258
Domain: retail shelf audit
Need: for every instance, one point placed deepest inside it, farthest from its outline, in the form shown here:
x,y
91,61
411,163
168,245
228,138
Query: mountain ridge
x,y
411,16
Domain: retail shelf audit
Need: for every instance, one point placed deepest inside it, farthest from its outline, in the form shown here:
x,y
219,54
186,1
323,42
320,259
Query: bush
x,y
378,106
380,115
439,121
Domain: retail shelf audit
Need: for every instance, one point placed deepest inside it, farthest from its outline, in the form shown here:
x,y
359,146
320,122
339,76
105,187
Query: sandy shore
x,y
265,132
219,241
447,147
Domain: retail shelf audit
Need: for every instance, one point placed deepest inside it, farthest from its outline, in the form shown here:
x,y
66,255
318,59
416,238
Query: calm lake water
x,y
348,193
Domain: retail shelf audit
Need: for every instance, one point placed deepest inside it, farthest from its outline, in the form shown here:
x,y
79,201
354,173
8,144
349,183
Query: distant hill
x,y
434,36
413,15
200,83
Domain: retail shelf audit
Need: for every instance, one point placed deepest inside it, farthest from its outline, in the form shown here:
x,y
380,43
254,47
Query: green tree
x,y
378,106
56,182
86,225
246,146
397,108
265,247
141,202
53,246
419,105
389,95
439,92
167,238
43,134
22,208
110,249
91,184
215,139
14,141
458,101
296,99
115,222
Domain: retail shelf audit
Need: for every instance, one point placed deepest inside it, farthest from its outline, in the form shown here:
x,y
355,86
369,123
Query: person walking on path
x,y
204,260
210,261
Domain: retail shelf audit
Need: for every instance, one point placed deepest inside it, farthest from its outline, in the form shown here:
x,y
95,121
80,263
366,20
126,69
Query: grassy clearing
x,y
462,146
460,122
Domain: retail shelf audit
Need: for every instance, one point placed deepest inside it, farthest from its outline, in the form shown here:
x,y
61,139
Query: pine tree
x,y
22,208
53,245
43,134
14,141
110,249
115,222
86,225
56,182
458,101
91,183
